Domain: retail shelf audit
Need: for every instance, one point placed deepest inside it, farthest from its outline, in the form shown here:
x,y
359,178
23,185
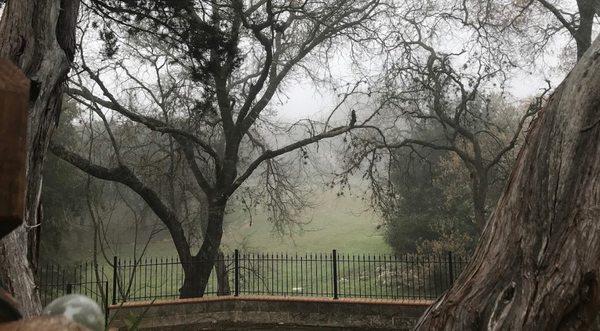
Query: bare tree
x,y
532,26
577,22
455,94
39,37
536,265
235,58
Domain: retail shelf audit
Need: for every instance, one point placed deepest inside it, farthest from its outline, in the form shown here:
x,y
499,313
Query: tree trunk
x,y
197,273
479,191
583,34
222,276
39,37
537,264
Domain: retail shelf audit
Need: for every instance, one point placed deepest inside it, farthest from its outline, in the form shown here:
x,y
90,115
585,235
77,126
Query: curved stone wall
x,y
267,313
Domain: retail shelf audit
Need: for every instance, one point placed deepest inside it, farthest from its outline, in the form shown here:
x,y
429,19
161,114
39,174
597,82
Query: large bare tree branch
x,y
150,122
270,154
126,176
568,25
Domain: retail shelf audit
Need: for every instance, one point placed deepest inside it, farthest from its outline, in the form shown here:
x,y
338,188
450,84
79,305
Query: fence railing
x,y
335,275
90,279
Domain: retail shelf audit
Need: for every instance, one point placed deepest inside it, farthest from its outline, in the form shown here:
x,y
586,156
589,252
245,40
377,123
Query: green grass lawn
x,y
358,275
337,222
345,223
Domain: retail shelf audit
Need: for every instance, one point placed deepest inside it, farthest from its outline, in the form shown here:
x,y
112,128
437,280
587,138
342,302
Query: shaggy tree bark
x,y
39,37
537,264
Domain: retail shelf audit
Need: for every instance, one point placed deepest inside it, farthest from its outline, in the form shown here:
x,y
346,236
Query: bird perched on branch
x,y
352,118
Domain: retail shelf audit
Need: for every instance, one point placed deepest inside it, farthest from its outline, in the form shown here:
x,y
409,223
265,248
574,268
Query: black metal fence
x,y
86,278
382,276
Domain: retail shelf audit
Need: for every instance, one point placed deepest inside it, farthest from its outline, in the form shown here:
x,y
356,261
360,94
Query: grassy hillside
x,y
344,223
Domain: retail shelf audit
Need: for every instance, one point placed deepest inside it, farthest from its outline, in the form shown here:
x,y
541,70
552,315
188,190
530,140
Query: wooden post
x,y
14,98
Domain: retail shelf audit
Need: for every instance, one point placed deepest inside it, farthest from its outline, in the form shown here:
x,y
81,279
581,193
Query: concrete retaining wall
x,y
266,312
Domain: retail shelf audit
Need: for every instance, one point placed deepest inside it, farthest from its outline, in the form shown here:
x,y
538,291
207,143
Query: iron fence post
x,y
69,288
335,274
114,280
106,304
236,280
450,268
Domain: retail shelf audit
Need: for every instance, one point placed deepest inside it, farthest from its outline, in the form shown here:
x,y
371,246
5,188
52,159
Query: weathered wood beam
x,y
14,95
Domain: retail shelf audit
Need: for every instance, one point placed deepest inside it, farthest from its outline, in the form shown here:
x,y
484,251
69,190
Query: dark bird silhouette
x,y
352,118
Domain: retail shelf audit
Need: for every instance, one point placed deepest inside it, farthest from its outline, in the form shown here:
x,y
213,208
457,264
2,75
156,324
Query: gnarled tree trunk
x,y
39,37
537,265
197,273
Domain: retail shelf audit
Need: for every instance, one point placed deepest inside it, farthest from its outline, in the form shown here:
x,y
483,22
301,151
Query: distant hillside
x,y
345,223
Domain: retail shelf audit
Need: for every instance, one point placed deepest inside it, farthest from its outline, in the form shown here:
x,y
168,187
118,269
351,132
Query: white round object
x,y
78,308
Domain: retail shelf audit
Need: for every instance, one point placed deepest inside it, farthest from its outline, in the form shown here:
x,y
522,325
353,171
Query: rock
x,y
78,308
